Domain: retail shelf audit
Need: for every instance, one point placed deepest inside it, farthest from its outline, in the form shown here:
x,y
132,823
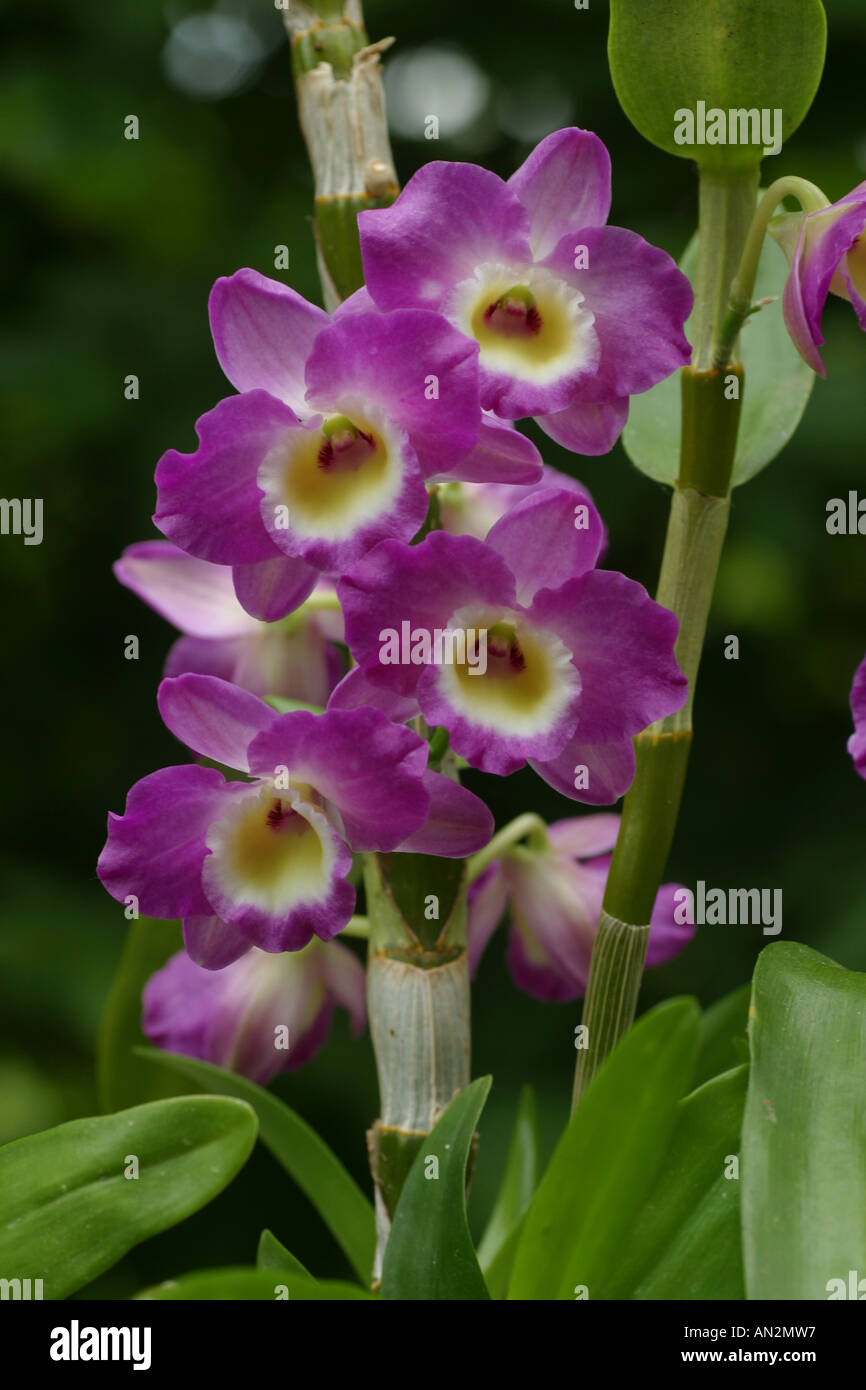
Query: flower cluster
x,y
363,531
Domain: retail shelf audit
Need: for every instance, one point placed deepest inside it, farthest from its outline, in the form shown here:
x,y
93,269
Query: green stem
x,y
725,210
528,824
418,1008
357,926
711,402
811,199
342,113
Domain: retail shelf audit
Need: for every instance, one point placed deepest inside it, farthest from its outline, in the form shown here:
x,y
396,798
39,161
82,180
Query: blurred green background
x,y
109,249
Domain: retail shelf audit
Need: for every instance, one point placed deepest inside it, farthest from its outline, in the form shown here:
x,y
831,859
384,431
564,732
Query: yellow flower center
x,y
331,473
535,325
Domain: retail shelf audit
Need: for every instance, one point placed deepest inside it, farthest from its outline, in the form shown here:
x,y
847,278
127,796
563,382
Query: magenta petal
x,y
298,664
213,718
587,427
418,369
263,333
552,536
368,770
356,690
345,979
807,337
361,302
208,502
193,594
156,849
502,455
583,837
539,978
623,645
448,219
640,300
178,1003
458,822
485,902
857,741
218,657
830,235
473,508
257,1016
667,936
606,768
555,911
211,943
272,588
422,585
564,184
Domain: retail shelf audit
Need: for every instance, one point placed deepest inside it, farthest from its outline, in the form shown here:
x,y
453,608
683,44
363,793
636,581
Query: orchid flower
x,y
260,1015
571,317
578,660
827,254
553,899
265,861
327,448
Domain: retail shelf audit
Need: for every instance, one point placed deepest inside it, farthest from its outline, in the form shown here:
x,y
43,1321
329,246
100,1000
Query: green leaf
x,y
804,1130
429,1254
67,1210
723,1025
777,387
306,1158
272,1254
240,1282
727,53
604,1165
518,1184
123,1078
498,1273
686,1240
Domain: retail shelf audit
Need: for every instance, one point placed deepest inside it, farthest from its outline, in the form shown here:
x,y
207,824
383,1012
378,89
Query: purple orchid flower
x,y
857,741
297,658
553,898
326,449
264,862
549,660
826,251
261,1015
571,317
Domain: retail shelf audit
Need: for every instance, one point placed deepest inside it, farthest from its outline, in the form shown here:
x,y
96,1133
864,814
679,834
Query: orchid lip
x,y
514,314
345,447
331,480
529,682
528,323
271,851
